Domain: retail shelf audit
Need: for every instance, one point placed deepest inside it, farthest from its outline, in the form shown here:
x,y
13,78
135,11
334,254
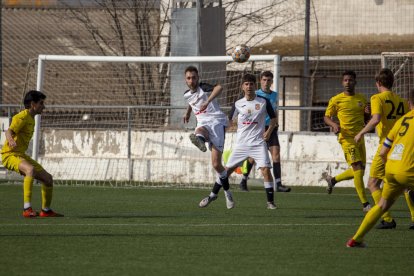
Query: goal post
x,y
402,65
103,112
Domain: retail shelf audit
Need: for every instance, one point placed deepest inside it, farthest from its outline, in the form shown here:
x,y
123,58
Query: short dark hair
x,y
267,74
33,96
249,78
349,73
385,78
191,69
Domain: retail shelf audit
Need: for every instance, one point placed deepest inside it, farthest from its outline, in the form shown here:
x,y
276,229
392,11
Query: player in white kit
x,y
211,128
251,112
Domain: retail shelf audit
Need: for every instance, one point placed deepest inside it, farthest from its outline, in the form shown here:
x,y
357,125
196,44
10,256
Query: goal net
x,y
118,120
402,64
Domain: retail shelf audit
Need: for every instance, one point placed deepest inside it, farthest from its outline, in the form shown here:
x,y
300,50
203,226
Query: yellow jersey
x,y
401,140
350,111
23,126
391,108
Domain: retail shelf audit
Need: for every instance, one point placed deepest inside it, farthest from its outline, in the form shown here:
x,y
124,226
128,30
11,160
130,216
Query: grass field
x,y
113,231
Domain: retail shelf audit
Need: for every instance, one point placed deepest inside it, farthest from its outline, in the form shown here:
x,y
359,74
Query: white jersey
x,y
212,115
251,117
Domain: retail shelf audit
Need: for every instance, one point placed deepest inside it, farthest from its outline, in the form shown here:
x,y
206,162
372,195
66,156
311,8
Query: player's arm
x,y
187,114
9,137
335,127
273,120
375,119
216,91
329,113
231,116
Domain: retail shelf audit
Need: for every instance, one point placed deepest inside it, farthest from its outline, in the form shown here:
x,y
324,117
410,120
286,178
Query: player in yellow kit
x,y
386,108
350,108
397,154
14,156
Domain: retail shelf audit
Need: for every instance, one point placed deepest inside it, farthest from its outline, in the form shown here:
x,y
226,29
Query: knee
x,y
48,180
218,167
372,184
28,171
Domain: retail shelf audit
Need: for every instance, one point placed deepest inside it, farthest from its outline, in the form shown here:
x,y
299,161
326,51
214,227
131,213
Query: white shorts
x,y
258,153
216,135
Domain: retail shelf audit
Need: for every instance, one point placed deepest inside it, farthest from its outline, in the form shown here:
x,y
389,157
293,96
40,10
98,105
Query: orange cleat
x,y
49,214
354,243
29,213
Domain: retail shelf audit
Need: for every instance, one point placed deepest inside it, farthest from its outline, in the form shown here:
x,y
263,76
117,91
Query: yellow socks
x,y
348,174
359,185
376,195
369,221
27,191
47,193
410,205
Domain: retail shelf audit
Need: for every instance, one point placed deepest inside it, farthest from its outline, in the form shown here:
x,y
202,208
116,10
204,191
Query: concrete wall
x,y
170,157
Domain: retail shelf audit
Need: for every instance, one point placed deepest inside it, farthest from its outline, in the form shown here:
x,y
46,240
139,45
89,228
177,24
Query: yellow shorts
x,y
12,162
377,167
395,184
354,152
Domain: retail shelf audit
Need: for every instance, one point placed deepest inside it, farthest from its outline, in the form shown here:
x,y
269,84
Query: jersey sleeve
x,y
331,109
17,124
376,106
269,109
208,88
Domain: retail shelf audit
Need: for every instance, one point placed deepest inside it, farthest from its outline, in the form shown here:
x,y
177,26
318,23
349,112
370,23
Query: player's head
x,y
191,77
266,80
249,84
411,98
35,101
385,78
349,80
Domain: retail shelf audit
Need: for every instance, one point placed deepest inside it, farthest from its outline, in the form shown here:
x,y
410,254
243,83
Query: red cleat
x,y
29,213
354,243
50,214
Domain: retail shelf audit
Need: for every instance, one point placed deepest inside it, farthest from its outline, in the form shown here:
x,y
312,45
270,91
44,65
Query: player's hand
x,y
336,129
358,138
266,136
186,118
12,143
204,106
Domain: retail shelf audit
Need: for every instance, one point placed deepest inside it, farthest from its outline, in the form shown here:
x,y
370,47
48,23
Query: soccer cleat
x,y
366,207
271,206
229,200
197,142
354,243
206,201
29,213
50,214
386,225
411,226
283,189
243,185
330,184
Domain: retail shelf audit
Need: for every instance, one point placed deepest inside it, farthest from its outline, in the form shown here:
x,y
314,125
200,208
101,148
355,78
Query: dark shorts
x,y
274,138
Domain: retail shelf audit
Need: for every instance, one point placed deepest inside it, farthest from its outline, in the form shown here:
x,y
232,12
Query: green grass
x,y
110,231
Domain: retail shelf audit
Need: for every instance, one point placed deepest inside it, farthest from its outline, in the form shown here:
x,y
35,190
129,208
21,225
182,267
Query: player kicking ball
x,y
211,127
14,156
251,112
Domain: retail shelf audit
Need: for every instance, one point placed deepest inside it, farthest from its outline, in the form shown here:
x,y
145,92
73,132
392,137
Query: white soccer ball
x,y
241,53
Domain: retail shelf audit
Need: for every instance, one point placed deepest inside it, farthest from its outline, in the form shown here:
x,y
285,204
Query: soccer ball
x,y
241,53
